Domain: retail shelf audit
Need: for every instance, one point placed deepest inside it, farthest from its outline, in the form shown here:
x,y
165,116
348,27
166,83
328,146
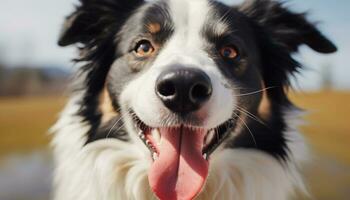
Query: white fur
x,y
114,170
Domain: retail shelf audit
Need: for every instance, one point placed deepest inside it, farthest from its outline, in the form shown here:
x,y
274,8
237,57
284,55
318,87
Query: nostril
x,y
166,89
200,92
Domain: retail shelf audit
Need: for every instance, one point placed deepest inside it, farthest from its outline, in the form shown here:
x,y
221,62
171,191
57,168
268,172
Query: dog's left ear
x,y
287,28
92,18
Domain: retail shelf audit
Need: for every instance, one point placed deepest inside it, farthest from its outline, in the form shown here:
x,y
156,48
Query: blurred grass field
x,y
24,123
327,130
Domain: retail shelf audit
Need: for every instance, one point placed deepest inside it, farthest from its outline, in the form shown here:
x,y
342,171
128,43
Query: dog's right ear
x,y
285,27
93,18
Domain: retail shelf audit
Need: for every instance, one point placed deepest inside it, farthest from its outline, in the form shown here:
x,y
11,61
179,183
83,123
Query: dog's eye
x,y
144,48
229,52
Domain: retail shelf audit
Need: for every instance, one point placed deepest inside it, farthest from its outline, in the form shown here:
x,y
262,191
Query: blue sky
x,y
29,30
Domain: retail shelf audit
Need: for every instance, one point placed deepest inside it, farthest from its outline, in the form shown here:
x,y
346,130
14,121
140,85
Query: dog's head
x,y
186,77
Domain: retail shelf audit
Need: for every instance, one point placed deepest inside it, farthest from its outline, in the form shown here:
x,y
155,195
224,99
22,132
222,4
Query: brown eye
x,y
144,48
229,52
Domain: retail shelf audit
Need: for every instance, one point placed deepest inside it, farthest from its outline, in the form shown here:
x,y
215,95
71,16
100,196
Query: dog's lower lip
x,y
221,132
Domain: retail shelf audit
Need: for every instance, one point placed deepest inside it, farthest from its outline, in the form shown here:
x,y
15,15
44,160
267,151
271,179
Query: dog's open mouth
x,y
180,156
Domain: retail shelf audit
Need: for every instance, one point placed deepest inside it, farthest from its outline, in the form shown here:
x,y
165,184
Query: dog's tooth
x,y
205,156
210,137
156,135
155,156
142,136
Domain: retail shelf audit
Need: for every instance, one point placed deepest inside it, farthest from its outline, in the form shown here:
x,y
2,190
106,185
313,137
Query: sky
x,y
29,30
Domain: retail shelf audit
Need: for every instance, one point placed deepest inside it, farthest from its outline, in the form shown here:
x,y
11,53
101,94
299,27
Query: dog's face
x,y
186,76
184,70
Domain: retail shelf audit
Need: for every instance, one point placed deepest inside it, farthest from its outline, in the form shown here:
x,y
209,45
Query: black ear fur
x,y
93,17
288,28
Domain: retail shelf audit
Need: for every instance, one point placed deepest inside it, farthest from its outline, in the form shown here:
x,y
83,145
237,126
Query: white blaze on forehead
x,y
189,17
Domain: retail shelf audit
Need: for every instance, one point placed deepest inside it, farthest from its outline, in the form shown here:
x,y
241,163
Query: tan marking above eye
x,y
154,28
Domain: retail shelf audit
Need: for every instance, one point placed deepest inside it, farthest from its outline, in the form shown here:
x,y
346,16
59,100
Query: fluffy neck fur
x,y
111,169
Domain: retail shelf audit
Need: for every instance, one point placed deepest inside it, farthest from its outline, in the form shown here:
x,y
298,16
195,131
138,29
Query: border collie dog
x,y
181,100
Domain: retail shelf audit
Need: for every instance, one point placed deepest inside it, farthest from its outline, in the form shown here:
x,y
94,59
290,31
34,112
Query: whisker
x,y
251,134
115,123
255,92
110,130
119,128
250,115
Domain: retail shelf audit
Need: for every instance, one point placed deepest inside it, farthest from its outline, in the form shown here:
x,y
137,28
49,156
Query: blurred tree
x,y
2,74
327,76
29,81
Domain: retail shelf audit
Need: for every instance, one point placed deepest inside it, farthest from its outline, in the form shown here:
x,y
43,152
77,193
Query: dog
x,y
180,100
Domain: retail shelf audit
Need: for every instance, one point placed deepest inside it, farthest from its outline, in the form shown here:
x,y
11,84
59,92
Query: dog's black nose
x,y
183,90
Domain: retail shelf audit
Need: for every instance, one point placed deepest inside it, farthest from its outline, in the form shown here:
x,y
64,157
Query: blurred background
x,y
34,73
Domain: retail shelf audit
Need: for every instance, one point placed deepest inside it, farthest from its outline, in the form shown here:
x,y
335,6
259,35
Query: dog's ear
x,y
93,17
285,27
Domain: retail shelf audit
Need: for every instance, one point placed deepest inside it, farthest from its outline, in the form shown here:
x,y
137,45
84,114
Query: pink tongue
x,y
180,171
